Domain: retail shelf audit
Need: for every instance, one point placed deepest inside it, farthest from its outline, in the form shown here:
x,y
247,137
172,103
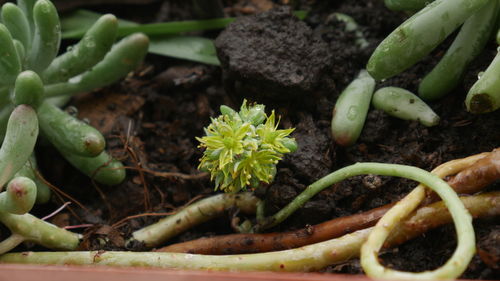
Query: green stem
x,y
10,243
201,211
464,252
307,258
40,232
357,169
166,28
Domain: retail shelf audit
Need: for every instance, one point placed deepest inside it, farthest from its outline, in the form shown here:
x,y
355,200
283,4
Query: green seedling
x,y
484,95
242,148
405,105
469,42
419,35
31,73
350,110
352,26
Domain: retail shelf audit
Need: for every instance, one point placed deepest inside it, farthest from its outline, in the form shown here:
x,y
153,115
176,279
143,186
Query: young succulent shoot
x,y
406,5
405,105
349,113
419,35
352,26
31,73
242,148
484,95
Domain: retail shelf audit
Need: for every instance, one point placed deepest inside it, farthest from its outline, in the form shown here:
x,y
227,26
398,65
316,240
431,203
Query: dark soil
x,y
152,118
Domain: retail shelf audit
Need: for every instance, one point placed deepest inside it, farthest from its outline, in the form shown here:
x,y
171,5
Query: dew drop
x,y
90,44
479,75
75,80
352,113
71,110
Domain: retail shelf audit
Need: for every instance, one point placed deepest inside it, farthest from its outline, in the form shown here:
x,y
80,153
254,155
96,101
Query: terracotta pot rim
x,y
14,272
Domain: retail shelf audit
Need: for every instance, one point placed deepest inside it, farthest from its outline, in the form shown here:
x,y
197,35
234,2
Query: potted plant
x,y
240,151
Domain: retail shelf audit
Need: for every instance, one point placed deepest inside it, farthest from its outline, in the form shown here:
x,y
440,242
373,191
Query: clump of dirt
x,y
273,55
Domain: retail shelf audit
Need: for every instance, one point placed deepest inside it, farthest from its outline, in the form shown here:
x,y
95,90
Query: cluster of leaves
x,y
34,81
242,148
32,74
425,30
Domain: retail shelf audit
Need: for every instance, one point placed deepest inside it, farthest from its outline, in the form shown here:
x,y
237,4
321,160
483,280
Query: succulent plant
x,y
32,73
242,148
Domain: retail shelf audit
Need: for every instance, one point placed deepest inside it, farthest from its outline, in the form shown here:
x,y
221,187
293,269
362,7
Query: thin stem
x,y
201,211
10,243
464,252
308,258
337,176
478,165
40,232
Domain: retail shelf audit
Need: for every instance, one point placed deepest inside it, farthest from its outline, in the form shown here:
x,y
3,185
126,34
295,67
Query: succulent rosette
x,y
242,148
